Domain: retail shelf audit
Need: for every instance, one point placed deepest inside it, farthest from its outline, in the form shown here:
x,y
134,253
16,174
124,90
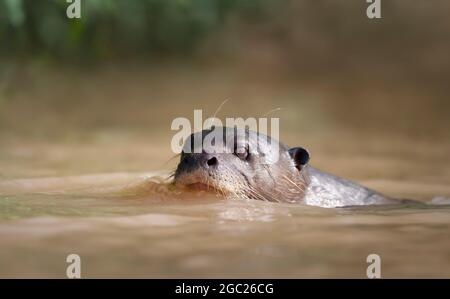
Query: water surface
x,y
80,176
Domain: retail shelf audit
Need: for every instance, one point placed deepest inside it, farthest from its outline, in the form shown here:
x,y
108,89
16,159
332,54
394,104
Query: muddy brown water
x,y
87,178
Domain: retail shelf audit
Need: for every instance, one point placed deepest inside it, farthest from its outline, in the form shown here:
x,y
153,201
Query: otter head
x,y
242,163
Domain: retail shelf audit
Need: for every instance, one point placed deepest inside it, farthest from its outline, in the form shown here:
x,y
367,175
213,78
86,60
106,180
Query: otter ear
x,y
300,156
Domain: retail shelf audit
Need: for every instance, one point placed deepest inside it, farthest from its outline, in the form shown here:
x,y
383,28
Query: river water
x,y
85,181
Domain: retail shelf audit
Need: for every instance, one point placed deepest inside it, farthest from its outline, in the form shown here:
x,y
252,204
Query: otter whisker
x,y
171,158
266,167
171,175
290,181
272,111
254,192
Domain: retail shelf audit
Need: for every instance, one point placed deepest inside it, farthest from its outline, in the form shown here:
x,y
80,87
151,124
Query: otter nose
x,y
212,161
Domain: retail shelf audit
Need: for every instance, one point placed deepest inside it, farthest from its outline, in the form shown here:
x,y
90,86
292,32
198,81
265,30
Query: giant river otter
x,y
255,166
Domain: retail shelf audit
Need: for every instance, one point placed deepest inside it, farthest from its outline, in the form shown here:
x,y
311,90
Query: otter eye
x,y
242,153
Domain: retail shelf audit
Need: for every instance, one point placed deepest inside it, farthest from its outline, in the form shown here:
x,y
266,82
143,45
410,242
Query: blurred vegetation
x,y
305,38
110,28
147,54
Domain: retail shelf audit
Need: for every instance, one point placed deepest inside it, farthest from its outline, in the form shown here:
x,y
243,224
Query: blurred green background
x,y
111,28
